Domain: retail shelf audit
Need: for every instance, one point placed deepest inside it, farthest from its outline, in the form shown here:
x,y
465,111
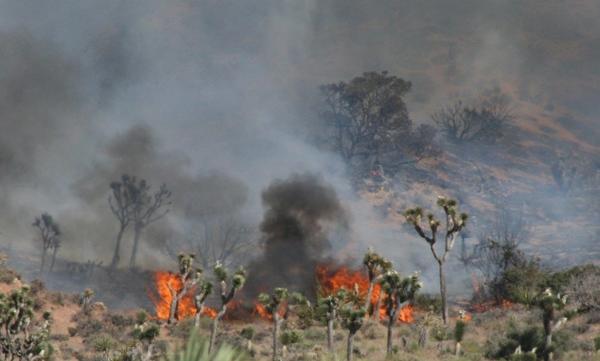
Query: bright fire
x,y
261,311
162,303
331,281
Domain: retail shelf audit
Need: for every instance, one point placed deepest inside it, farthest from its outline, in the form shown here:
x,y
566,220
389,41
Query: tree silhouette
x,y
50,233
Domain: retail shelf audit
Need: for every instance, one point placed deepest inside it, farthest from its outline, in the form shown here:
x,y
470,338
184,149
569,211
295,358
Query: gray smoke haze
x,y
216,98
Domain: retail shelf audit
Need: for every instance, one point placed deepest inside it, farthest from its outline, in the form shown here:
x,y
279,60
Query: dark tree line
x,y
367,123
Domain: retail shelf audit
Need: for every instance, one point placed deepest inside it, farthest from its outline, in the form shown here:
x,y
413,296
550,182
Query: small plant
x,y
228,289
248,334
144,333
399,291
20,337
85,300
196,349
459,331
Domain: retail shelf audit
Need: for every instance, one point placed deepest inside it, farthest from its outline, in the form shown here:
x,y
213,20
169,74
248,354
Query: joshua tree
x,y
329,307
204,290
145,332
146,208
459,330
376,267
275,304
455,222
399,291
188,277
85,300
228,288
49,235
352,314
20,337
550,303
120,203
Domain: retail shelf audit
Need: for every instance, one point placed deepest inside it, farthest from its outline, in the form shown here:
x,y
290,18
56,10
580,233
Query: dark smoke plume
x,y
299,212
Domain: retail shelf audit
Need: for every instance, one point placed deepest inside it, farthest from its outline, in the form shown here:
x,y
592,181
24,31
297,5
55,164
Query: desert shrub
x,y
290,337
528,339
525,281
429,302
196,349
597,343
314,334
247,333
87,326
306,316
529,356
120,320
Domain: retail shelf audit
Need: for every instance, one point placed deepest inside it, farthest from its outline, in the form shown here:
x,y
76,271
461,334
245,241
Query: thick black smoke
x,y
300,211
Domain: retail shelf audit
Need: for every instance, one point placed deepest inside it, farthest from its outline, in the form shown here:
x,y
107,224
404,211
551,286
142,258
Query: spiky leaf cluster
x,y
20,338
376,265
352,313
328,307
237,281
273,301
400,289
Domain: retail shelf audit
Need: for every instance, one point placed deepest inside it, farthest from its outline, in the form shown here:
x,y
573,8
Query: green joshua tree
x,y
459,331
204,289
376,267
275,304
399,291
189,277
550,303
20,337
229,286
329,307
49,231
455,222
352,314
144,333
85,300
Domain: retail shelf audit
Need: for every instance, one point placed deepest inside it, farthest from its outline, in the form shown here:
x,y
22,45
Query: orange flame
x,y
164,282
332,281
261,311
210,312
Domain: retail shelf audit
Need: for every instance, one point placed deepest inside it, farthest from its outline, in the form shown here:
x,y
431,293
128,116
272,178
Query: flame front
x,y
164,283
343,277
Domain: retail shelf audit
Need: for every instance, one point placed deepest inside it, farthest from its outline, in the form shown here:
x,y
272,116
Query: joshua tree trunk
x,y
117,254
457,350
368,305
276,323
423,336
44,252
330,334
137,230
350,347
443,293
53,258
390,325
173,306
215,325
548,318
199,309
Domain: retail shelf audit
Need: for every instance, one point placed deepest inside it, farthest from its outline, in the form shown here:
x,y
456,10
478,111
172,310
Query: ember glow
x,y
486,306
330,281
163,297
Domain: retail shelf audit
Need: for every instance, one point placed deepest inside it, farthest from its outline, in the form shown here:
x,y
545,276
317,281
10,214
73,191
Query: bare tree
x,y
485,120
121,202
49,236
221,238
455,222
146,208
498,251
